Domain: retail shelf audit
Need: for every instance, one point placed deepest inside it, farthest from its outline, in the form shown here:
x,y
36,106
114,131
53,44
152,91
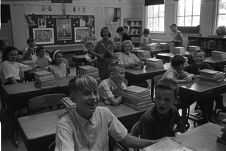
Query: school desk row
x,y
41,128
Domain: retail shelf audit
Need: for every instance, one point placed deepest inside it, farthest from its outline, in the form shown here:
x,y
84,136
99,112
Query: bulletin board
x,y
58,29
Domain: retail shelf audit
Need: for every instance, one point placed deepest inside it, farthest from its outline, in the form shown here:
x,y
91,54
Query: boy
x,y
163,119
110,89
88,47
176,71
199,57
87,127
176,36
30,53
124,36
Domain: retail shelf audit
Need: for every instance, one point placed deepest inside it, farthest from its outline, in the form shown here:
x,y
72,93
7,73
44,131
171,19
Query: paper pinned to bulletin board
x,y
59,29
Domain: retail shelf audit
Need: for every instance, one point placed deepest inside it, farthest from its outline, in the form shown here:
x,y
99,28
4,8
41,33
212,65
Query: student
x,y
10,69
124,36
199,57
163,119
145,39
103,50
176,36
89,46
88,126
90,36
117,44
29,53
128,59
42,60
176,71
58,67
110,89
126,28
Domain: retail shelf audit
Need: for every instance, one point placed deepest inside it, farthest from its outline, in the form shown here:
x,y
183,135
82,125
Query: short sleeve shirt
x,y
173,74
125,59
108,89
74,133
59,71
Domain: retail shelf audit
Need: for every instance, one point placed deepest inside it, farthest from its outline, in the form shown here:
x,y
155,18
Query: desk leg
x,y
152,87
185,123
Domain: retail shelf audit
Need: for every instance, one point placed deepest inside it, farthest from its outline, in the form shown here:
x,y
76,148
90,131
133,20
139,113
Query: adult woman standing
x,y
103,50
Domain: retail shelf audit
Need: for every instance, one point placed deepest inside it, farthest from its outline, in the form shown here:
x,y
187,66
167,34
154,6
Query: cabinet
x,y
135,29
208,43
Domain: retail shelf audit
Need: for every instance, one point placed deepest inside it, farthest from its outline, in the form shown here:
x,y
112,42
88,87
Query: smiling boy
x,y
88,126
163,119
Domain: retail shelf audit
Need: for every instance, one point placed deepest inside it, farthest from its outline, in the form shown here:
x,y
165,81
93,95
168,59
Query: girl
x,y
104,52
145,39
42,60
58,67
11,69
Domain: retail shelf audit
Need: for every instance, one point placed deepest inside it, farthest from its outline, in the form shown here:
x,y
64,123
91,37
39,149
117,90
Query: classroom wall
x,y
129,9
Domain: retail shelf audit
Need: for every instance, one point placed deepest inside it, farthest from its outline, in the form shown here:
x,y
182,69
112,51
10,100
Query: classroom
x,y
113,75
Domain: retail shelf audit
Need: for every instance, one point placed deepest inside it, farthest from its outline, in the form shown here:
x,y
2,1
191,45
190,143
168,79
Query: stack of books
x,y
142,54
44,79
89,70
152,46
154,63
68,103
218,55
193,49
138,98
179,51
222,139
164,46
211,75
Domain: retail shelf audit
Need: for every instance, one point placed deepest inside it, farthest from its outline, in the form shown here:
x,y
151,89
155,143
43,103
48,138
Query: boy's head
x,y
173,27
166,92
178,63
117,73
199,56
89,45
83,91
146,32
120,30
40,51
126,28
31,42
10,53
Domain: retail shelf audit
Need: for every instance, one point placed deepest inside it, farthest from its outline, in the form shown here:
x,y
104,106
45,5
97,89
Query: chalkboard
x,y
58,29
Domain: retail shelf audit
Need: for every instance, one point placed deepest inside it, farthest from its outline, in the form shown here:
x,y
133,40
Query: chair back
x,y
45,102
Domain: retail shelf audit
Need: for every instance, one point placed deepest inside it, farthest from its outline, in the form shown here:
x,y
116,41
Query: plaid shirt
x,y
125,59
177,36
108,89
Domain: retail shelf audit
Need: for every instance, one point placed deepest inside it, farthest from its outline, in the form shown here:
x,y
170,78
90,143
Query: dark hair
x,y
2,43
168,84
113,67
120,29
116,39
102,30
30,40
53,55
83,83
39,48
7,51
126,27
173,25
146,31
177,61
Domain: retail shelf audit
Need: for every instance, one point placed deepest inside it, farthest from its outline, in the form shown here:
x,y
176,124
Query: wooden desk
x,y
41,128
78,59
203,138
214,63
198,90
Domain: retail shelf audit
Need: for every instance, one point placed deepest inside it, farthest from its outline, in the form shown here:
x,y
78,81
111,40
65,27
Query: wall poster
x,y
80,32
43,35
63,29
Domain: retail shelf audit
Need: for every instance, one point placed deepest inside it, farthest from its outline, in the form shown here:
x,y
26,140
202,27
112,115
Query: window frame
x,y
217,19
184,16
147,19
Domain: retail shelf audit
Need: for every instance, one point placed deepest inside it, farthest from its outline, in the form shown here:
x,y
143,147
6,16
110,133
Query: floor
x,y
8,146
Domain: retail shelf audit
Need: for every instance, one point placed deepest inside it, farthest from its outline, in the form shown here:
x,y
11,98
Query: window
x,y
188,13
155,17
221,17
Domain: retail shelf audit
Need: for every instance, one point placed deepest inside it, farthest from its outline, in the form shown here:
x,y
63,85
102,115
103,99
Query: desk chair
x,y
45,103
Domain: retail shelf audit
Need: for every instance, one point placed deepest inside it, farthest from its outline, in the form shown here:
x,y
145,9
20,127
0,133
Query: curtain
x,y
153,2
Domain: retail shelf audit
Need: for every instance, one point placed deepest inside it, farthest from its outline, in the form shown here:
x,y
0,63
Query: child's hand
x,y
190,78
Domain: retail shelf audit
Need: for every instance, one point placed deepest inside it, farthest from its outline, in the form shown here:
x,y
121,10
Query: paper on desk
x,y
168,144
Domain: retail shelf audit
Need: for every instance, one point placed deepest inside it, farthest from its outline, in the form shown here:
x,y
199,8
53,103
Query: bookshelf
x,y
208,43
135,29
